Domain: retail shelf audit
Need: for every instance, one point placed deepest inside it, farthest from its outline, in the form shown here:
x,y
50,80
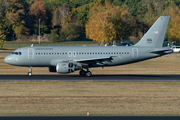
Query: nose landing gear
x,y
30,71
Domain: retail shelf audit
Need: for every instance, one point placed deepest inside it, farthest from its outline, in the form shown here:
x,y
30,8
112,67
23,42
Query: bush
x,y
72,31
54,34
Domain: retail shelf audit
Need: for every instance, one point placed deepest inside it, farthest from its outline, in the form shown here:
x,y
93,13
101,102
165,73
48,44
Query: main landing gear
x,y
85,73
30,71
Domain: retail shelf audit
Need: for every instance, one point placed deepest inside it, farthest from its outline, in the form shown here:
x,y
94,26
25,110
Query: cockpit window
x,y
17,53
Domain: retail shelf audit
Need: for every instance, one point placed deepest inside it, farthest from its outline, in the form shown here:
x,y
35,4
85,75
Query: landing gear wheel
x,y
29,73
88,74
82,72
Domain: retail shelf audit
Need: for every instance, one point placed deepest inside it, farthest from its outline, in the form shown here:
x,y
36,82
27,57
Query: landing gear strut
x,y
30,71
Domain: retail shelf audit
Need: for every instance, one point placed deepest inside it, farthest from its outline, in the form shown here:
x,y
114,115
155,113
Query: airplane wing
x,y
94,58
94,61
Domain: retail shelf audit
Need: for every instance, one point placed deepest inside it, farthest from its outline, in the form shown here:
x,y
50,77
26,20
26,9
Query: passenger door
x,y
30,53
134,53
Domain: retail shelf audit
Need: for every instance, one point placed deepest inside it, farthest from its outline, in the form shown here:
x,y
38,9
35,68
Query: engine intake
x,y
65,67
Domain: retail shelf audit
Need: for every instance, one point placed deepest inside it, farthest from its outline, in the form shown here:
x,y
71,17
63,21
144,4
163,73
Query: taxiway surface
x,y
106,78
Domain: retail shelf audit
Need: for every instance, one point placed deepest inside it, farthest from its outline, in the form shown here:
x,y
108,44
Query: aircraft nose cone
x,y
6,59
9,60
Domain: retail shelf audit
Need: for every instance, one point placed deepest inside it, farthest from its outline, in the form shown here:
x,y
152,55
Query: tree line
x,y
99,20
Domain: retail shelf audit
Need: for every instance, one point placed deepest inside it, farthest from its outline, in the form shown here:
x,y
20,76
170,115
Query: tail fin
x,y
155,35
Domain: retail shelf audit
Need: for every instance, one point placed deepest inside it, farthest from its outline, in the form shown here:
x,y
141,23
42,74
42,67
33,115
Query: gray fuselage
x,y
47,56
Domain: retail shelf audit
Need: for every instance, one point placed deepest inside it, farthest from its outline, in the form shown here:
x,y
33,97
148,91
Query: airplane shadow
x,y
91,78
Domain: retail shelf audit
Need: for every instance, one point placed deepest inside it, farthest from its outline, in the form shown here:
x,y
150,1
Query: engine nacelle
x,y
65,67
52,69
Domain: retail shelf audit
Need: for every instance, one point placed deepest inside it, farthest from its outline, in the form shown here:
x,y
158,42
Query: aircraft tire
x,y
88,73
29,73
82,72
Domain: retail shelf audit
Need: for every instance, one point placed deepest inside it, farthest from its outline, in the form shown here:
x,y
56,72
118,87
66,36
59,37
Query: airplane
x,y
67,59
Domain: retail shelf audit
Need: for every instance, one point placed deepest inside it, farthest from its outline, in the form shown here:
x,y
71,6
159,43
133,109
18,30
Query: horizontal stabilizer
x,y
163,50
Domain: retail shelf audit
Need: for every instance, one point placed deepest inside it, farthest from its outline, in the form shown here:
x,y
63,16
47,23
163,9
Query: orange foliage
x,y
38,10
13,15
108,22
175,23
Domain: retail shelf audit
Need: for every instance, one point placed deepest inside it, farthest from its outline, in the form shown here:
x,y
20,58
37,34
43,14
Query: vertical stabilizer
x,y
155,35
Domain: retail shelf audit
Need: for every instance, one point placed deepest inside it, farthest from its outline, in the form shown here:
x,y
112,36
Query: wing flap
x,y
94,58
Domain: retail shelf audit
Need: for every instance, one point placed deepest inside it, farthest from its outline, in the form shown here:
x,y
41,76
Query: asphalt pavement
x,y
105,78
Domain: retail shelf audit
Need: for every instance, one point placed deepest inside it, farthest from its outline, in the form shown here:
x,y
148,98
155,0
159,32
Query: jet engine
x,y
65,67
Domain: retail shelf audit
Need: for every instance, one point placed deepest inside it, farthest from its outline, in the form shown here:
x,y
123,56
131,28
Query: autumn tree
x,y
17,17
112,24
81,13
175,23
59,15
4,7
54,34
3,32
37,13
72,31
